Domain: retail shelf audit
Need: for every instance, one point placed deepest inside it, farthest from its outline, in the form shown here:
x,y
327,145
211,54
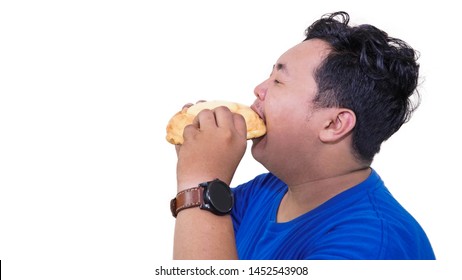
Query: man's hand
x,y
213,147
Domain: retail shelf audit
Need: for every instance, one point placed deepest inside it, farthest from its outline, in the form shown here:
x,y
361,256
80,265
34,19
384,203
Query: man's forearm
x,y
202,235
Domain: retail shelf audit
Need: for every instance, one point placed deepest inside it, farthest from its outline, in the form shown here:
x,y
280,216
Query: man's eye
x,y
276,81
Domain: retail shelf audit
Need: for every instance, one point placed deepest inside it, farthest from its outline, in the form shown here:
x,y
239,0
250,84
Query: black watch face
x,y
220,197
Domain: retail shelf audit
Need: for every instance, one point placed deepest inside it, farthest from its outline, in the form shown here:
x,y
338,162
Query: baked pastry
x,y
255,125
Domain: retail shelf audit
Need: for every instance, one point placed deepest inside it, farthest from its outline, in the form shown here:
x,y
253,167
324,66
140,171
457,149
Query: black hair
x,y
368,72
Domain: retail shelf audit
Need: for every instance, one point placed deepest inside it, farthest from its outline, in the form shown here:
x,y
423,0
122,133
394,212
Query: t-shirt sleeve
x,y
243,196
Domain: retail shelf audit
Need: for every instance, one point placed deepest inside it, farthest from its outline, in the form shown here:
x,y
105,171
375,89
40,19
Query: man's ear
x,y
340,123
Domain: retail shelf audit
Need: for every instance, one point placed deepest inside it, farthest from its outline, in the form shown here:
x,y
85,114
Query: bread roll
x,y
255,125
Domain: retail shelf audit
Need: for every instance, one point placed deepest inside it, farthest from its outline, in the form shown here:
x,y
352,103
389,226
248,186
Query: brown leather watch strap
x,y
193,197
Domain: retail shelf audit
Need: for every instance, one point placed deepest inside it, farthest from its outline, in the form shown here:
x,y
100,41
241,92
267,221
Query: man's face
x,y
284,101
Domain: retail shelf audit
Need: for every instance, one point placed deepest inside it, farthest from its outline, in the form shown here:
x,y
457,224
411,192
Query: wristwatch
x,y
214,196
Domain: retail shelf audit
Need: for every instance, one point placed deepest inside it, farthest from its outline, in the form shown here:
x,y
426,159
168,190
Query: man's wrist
x,y
213,195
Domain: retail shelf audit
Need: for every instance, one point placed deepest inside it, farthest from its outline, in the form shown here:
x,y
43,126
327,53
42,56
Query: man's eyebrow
x,y
281,67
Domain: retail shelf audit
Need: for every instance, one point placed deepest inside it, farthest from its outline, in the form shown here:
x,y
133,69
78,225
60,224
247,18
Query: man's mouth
x,y
259,112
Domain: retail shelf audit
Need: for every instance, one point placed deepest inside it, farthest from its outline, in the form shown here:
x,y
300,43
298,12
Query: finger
x,y
205,118
239,123
189,131
187,105
224,117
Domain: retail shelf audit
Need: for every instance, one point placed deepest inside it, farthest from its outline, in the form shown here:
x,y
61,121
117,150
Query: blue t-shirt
x,y
363,222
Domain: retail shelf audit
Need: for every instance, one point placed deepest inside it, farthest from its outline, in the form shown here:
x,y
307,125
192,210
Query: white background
x,y
86,90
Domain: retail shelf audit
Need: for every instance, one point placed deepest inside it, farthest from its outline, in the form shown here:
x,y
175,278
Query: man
x,y
328,104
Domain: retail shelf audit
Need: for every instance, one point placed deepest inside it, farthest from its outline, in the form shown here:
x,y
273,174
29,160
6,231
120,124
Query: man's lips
x,y
259,112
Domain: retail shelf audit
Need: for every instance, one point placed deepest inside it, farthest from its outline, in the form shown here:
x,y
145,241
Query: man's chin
x,y
258,148
257,143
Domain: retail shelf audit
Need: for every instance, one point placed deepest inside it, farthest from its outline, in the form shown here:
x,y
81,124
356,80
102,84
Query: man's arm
x,y
200,234
213,147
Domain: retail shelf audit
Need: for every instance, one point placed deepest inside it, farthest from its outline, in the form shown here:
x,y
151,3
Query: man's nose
x,y
260,91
